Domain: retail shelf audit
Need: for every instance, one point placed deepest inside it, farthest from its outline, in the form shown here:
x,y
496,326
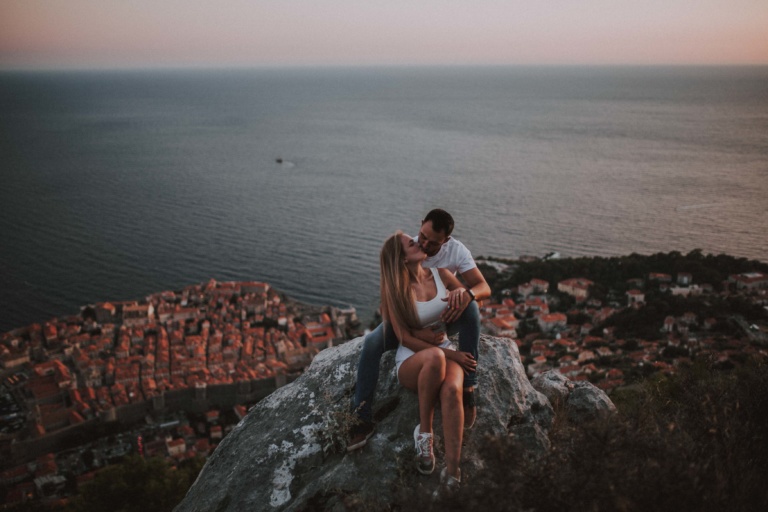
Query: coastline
x,y
171,375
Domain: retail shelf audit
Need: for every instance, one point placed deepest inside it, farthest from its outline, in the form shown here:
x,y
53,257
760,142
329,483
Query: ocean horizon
x,y
118,184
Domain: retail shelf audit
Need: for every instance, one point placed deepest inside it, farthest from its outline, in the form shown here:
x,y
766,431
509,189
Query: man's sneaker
x,y
425,457
359,434
470,408
449,485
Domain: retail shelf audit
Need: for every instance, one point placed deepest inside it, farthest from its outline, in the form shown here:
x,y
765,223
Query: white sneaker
x,y
449,485
425,457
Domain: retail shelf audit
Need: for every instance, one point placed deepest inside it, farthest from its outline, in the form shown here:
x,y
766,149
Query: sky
x,y
98,34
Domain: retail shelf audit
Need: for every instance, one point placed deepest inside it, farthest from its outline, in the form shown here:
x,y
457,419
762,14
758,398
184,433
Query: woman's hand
x,y
465,359
457,300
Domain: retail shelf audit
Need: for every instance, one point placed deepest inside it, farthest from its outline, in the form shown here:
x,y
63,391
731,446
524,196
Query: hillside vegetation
x,y
697,440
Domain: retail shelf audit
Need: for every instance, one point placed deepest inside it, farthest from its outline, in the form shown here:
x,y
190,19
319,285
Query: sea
x,y
118,184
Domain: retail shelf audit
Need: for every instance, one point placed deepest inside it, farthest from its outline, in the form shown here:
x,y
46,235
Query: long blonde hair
x,y
396,293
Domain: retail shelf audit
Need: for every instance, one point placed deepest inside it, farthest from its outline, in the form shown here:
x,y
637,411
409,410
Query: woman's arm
x,y
465,359
428,335
407,339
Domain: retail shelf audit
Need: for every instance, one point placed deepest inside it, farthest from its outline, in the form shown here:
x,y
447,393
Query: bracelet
x,y
471,295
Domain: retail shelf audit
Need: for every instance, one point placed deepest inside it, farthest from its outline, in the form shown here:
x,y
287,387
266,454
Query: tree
x,y
138,485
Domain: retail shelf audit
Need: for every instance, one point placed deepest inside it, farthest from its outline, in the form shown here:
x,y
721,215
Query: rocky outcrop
x,y
288,453
581,400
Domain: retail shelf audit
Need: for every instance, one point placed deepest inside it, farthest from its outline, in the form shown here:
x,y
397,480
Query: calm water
x,y
115,185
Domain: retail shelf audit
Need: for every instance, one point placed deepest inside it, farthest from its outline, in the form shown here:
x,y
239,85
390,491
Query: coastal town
x,y
168,375
587,349
171,374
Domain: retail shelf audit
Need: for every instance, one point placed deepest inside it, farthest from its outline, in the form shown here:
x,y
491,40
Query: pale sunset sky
x,y
85,34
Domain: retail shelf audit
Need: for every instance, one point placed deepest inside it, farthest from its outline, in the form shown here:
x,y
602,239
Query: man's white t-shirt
x,y
453,255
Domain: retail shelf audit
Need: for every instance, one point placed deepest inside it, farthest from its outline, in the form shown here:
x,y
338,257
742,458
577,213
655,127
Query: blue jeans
x,y
383,339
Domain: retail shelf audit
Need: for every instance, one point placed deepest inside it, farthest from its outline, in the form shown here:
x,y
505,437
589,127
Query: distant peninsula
x,y
615,321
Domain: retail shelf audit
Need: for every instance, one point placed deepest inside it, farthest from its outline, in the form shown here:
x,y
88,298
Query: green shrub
x,y
138,485
695,441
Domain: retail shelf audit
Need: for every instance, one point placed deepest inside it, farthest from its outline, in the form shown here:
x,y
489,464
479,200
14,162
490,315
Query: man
x,y
463,318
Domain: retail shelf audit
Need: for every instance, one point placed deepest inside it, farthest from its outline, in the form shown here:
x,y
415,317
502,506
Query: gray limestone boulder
x,y
289,453
581,400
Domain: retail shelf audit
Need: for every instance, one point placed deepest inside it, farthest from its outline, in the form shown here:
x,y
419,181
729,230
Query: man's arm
x,y
475,282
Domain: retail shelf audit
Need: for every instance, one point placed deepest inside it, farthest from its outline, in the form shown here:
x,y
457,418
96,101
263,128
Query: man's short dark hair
x,y
442,221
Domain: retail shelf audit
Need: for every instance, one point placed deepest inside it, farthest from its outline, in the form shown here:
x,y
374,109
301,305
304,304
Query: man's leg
x,y
368,373
375,344
468,327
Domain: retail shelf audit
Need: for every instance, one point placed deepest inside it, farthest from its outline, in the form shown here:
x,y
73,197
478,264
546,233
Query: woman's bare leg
x,y
424,373
453,416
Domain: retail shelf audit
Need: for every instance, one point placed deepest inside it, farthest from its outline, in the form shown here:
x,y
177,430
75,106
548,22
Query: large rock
x,y
581,400
288,452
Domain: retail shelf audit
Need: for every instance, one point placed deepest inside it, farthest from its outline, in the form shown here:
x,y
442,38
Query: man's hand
x,y
429,336
457,300
465,360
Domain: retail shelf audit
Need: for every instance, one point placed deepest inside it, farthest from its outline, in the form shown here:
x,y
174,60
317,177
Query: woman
x,y
412,298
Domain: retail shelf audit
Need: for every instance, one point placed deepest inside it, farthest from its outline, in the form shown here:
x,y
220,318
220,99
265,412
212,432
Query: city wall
x,y
195,400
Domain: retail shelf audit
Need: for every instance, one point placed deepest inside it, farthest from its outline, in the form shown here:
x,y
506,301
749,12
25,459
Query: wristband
x,y
471,295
